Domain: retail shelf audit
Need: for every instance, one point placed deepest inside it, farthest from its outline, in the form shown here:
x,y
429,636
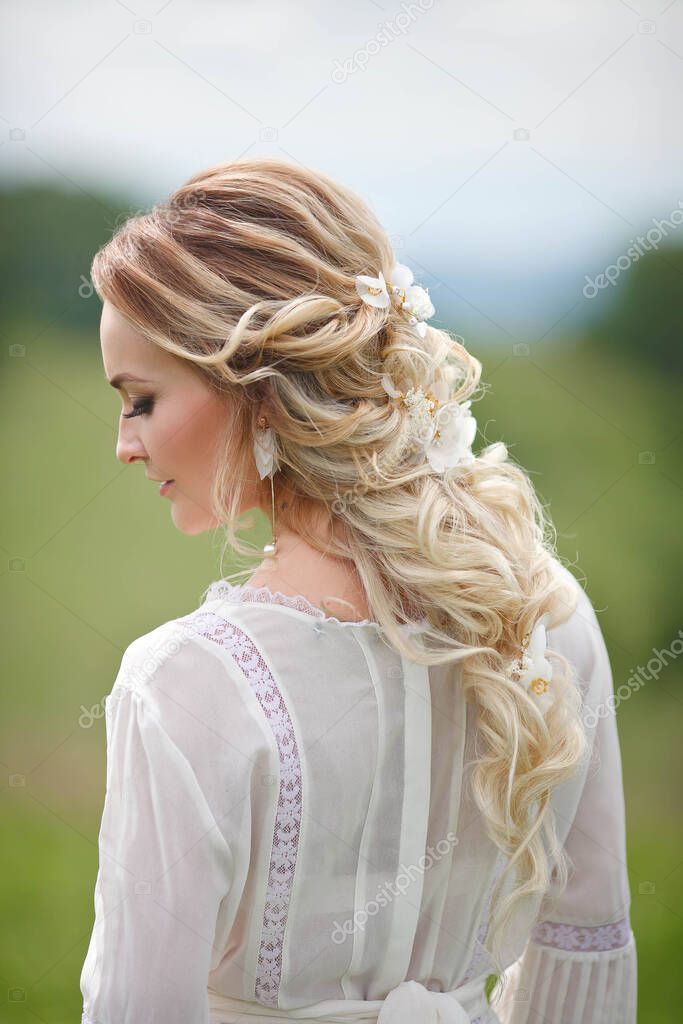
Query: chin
x,y
191,522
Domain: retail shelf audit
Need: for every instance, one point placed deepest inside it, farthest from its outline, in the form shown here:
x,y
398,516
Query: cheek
x,y
189,436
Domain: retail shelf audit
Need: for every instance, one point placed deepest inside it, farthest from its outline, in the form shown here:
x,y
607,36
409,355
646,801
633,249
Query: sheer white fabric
x,y
288,833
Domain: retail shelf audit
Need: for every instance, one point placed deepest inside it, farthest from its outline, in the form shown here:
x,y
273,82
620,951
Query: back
x,y
289,823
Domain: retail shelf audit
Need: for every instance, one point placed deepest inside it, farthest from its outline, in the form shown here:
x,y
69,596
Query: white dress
x,y
288,834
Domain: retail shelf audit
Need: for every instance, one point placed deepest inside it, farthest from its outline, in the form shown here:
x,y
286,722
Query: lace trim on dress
x,y
222,590
288,815
580,939
241,593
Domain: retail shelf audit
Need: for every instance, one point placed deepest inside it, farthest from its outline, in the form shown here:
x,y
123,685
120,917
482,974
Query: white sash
x,y
408,1003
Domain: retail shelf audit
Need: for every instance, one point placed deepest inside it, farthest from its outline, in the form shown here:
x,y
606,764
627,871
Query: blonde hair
x,y
247,272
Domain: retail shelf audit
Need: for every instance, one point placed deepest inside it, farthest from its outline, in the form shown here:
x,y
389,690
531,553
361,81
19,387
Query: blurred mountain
x,y
47,240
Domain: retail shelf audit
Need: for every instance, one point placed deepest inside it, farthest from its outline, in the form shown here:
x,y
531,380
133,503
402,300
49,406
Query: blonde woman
x,y
356,784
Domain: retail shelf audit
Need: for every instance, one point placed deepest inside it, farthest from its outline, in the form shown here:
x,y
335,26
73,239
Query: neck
x,y
300,568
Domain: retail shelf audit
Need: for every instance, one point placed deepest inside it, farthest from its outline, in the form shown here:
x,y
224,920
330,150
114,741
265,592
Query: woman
x,y
357,785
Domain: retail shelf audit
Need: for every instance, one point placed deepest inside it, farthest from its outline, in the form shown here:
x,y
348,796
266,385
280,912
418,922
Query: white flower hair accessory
x,y
409,298
533,671
443,429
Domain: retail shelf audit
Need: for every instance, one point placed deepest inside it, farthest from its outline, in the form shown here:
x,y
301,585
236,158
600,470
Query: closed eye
x,y
142,406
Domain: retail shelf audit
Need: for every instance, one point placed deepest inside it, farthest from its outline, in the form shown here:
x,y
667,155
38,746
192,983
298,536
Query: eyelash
x,y
142,406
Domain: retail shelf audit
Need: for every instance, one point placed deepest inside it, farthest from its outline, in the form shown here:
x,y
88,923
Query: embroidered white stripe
x,y
288,815
579,939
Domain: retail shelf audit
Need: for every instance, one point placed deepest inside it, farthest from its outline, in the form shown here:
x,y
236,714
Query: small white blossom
x,y
537,672
455,430
445,430
410,298
421,411
373,290
401,276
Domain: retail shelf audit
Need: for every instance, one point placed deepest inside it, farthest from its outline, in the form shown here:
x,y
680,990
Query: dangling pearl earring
x,y
265,456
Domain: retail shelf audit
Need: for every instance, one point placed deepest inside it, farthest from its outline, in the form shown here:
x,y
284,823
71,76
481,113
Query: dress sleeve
x,y
579,963
164,870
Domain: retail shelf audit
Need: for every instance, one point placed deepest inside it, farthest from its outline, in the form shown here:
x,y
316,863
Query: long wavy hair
x,y
247,273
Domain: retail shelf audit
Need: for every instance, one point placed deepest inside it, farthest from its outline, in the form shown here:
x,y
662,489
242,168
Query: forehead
x,y
126,350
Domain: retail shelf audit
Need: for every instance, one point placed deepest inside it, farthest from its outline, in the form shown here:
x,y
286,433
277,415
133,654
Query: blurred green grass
x,y
92,560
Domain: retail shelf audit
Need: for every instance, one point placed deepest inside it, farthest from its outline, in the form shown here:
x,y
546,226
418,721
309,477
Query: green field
x,y
91,560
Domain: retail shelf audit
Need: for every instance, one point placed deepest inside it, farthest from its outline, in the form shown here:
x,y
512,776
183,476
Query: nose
x,y
128,447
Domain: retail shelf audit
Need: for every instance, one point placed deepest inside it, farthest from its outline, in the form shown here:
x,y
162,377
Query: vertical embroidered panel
x,y
288,815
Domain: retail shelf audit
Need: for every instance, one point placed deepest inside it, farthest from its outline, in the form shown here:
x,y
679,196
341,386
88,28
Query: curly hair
x,y
247,273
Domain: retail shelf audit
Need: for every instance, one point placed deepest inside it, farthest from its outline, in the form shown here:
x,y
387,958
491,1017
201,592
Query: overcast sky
x,y
511,148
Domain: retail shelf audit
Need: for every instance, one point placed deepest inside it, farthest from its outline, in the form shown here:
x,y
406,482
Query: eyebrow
x,y
120,378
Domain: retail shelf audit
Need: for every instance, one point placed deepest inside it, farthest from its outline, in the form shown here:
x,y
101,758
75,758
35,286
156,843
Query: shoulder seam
x,y
143,657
